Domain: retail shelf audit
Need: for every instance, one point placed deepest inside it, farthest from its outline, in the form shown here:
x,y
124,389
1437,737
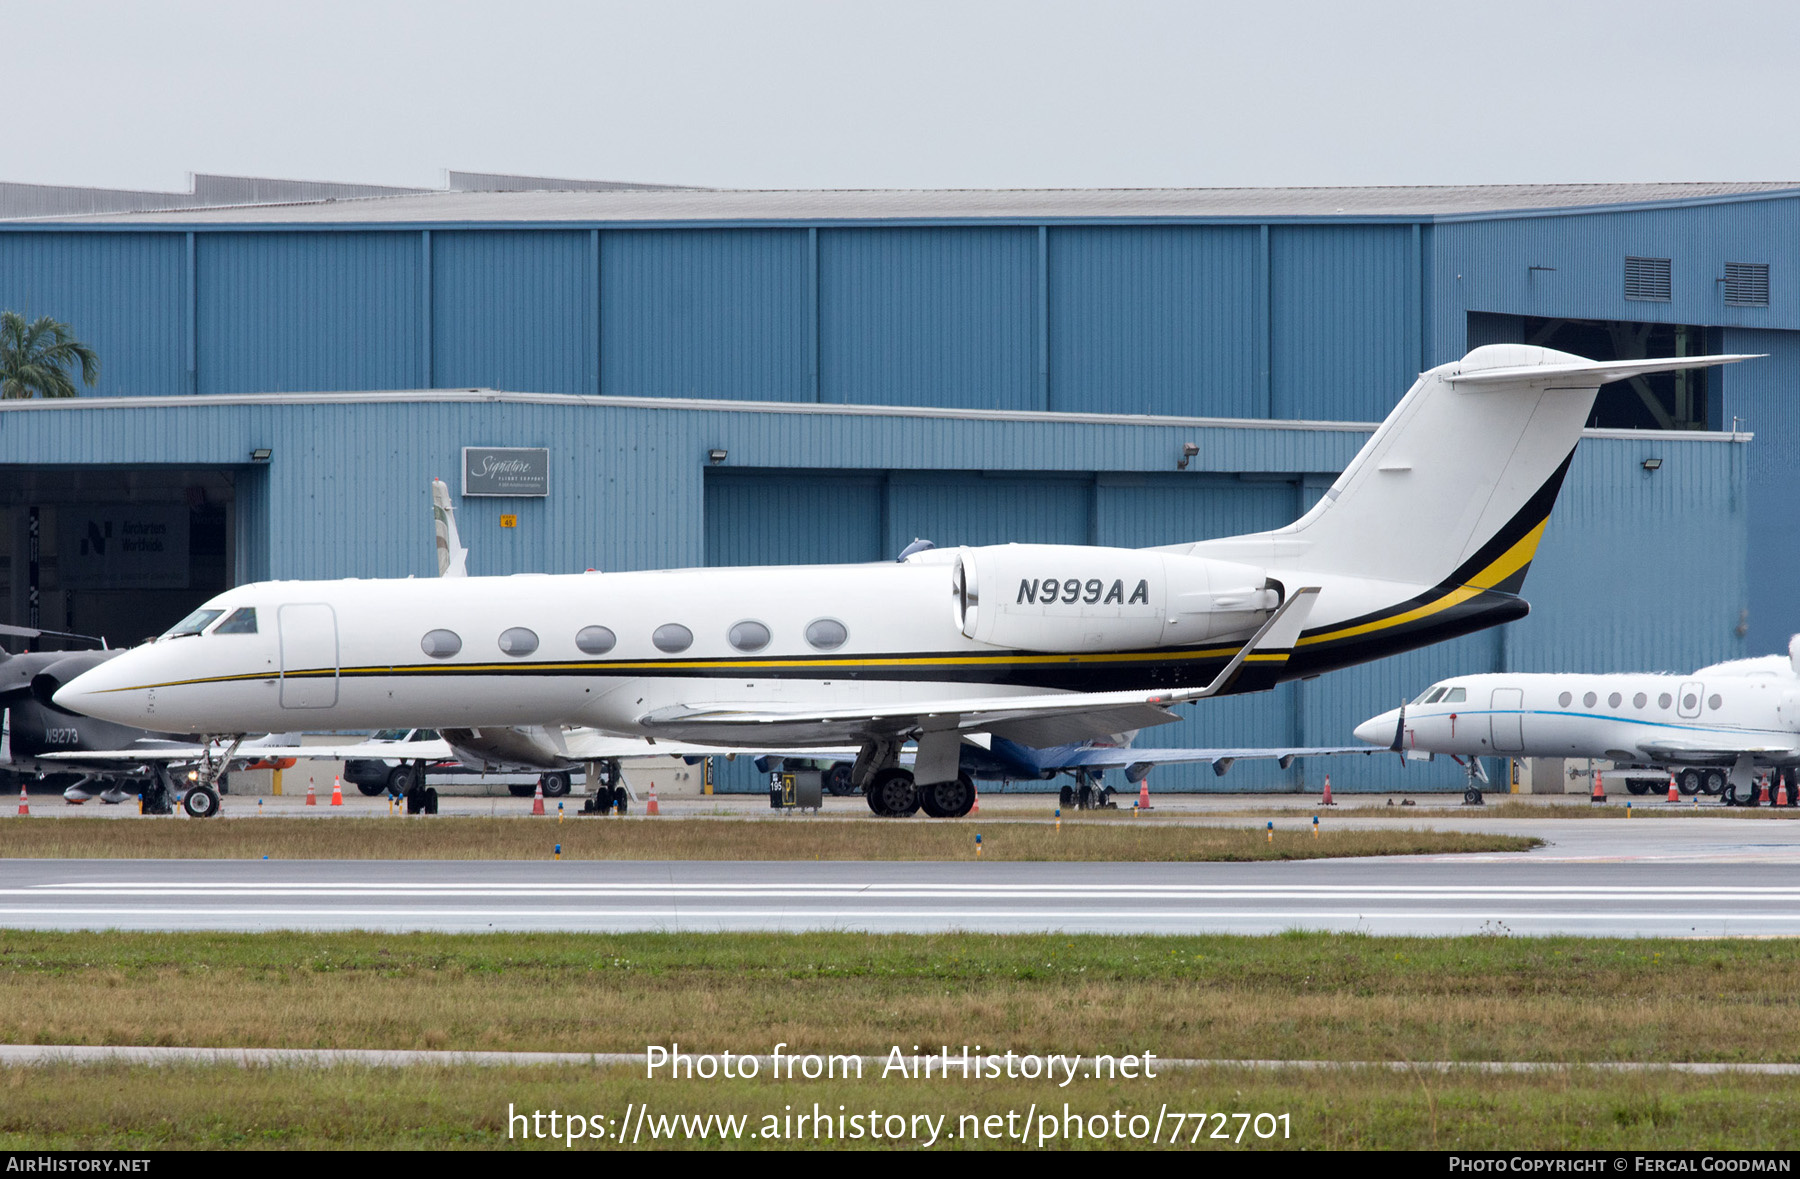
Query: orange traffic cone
x,y
1327,799
1599,794
1762,792
1673,796
24,805
312,799
1144,795
1781,794
337,792
537,800
650,807
975,804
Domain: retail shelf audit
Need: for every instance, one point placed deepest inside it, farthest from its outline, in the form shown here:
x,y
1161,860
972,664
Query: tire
x,y
1637,786
893,794
1713,782
928,800
403,778
1066,796
200,803
555,784
370,789
837,780
520,789
1472,797
1688,782
952,800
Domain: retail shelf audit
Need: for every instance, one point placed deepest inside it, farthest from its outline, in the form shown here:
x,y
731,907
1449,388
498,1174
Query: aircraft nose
x,y
1379,730
91,694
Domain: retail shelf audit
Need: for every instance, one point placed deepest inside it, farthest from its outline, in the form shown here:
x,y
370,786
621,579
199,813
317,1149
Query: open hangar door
x,y
121,552
1687,400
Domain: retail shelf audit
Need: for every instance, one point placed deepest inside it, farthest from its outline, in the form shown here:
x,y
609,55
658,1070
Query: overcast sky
x,y
799,94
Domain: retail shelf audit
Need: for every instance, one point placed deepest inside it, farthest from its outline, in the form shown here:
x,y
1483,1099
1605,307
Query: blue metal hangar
x,y
731,377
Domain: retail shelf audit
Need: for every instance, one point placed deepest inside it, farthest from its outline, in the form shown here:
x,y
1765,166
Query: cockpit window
x,y
390,735
1436,695
1420,698
241,622
193,624
1456,696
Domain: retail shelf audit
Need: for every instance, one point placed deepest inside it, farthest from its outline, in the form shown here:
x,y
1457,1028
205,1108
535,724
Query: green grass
x,y
116,1107
1297,996
794,838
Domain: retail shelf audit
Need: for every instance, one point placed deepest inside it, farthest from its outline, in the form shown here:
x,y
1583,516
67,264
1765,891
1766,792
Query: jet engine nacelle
x,y
1046,597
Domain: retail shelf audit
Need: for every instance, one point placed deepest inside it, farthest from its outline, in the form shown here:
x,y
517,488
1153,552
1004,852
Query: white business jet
x,y
1427,535
1714,729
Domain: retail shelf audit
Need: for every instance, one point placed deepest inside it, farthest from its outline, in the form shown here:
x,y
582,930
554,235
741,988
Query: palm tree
x,y
35,358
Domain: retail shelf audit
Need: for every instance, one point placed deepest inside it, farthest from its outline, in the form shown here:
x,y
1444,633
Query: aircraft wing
x,y
1699,748
1100,757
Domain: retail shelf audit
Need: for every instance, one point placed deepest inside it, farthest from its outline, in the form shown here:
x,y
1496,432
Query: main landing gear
x,y
1087,793
893,795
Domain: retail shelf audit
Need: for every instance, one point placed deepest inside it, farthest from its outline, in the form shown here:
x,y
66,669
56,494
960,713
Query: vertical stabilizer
x,y
453,559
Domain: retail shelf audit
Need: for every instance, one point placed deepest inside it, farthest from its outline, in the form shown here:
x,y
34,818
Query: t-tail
x,y
452,557
1430,530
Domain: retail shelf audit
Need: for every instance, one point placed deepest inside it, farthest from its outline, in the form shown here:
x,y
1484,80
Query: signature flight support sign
x,y
506,470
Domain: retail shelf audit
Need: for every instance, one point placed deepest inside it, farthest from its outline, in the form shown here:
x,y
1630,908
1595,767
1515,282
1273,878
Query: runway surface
x,y
1412,895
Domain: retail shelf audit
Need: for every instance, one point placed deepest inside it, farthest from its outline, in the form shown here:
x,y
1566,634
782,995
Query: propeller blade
x,y
1399,745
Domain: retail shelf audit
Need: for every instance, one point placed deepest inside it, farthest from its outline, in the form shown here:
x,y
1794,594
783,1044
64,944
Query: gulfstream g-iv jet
x,y
1427,535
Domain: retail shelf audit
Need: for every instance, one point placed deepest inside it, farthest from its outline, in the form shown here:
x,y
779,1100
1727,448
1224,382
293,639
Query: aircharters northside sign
x,y
123,546
506,470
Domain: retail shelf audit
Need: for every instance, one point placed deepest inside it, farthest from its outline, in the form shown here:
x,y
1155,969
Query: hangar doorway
x,y
1664,401
114,551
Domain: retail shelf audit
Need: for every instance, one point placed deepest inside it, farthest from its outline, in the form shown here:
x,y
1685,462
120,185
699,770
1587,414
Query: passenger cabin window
x,y
1455,696
672,637
518,641
1689,703
1664,700
1714,703
1640,700
749,636
241,622
827,634
1614,700
595,640
440,644
1589,700
193,624
1565,699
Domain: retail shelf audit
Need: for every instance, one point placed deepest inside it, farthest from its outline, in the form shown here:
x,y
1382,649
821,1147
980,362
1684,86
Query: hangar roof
x,y
738,205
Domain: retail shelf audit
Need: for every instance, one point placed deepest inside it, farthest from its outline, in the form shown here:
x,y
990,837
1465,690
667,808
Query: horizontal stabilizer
x,y
1586,374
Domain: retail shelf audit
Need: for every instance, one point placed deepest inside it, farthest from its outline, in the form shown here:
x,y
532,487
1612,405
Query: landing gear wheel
x,y
156,795
892,794
1066,796
1084,797
1713,782
520,789
1106,798
837,780
1637,786
928,799
1688,782
200,802
402,779
619,799
370,789
1472,797
950,800
555,784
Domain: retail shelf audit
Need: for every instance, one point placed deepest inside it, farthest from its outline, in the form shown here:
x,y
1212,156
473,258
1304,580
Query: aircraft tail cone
x,y
1674,796
537,800
312,797
337,792
650,807
1326,801
1144,795
24,803
1599,794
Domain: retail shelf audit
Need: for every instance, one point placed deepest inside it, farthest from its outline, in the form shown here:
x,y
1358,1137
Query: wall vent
x,y
1647,279
1746,284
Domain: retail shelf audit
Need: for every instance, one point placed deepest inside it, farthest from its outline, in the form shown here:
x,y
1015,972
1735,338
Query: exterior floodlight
x,y
260,454
1652,464
1188,451
715,456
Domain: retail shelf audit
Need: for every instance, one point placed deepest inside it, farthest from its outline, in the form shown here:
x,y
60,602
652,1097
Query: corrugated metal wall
x,y
512,310
1344,329
121,293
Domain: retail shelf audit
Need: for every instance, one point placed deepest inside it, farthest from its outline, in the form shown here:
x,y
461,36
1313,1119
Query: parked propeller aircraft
x,y
1036,644
1714,728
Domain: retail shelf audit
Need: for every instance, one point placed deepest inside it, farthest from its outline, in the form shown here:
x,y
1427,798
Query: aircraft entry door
x,y
309,655
1688,703
1508,720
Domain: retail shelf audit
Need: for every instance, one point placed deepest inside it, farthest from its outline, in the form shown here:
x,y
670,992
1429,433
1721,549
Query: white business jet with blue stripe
x,y
1427,535
1714,729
